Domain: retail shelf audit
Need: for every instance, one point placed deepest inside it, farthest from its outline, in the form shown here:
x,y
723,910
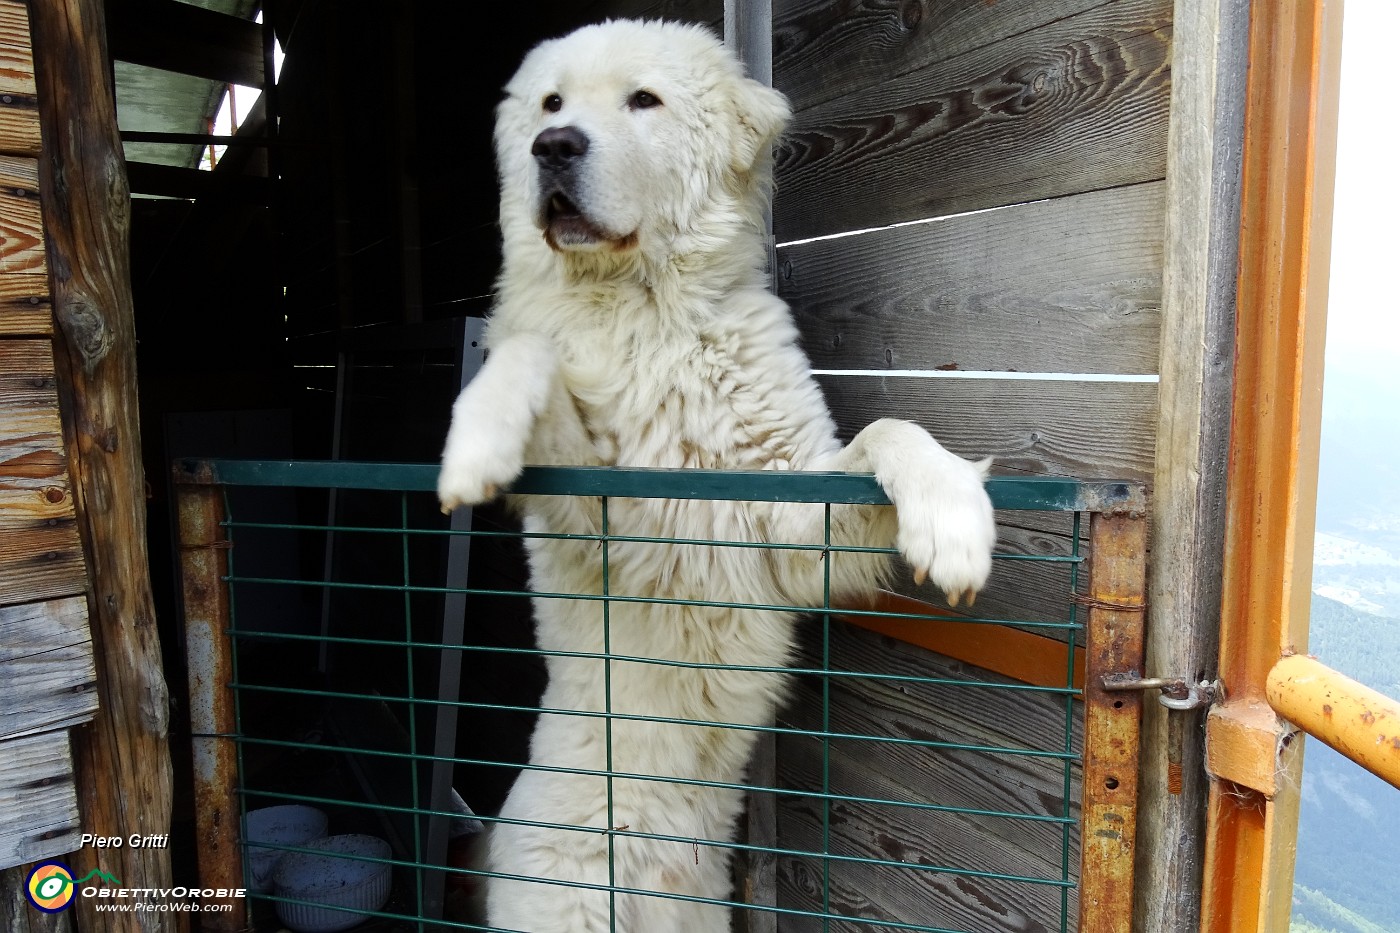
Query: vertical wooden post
x,y
207,616
1112,720
1200,262
123,761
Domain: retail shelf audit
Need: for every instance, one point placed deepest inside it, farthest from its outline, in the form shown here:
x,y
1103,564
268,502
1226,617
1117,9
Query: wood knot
x,y
55,494
911,14
86,327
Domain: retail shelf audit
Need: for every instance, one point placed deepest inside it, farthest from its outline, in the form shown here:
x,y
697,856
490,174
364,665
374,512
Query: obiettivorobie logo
x,y
51,885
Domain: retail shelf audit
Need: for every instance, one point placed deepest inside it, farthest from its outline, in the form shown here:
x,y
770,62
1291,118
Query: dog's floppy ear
x,y
763,114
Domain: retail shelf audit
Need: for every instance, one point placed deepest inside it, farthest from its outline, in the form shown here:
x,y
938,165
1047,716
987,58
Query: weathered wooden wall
x,y
960,712
970,216
46,656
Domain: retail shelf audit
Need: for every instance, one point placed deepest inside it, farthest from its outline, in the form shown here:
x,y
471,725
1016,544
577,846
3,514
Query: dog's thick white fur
x,y
632,327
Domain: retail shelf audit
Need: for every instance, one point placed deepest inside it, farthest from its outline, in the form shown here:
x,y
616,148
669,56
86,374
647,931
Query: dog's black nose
x,y
558,146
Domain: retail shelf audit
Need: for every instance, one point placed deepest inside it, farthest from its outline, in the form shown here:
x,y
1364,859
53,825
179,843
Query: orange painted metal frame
x,y
1289,165
1359,722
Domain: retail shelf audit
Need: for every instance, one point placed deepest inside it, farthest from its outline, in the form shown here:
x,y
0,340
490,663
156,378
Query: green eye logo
x,y
50,887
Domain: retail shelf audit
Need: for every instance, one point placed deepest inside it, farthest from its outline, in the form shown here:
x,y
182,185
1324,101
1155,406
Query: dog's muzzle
x,y
559,156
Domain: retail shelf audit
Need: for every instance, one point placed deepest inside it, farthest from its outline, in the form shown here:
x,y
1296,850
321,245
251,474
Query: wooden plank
x,y
1077,105
1091,430
19,109
21,226
962,713
25,307
172,181
1067,285
40,552
46,667
38,799
892,894
690,11
826,49
187,39
124,756
1201,257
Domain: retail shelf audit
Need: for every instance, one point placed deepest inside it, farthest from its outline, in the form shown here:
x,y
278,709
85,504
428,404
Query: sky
x,y
1363,323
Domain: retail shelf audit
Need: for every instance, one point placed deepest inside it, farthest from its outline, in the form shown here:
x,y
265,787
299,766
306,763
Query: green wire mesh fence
x,y
374,661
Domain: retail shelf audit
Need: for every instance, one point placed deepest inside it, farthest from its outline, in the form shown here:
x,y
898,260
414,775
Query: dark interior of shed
x,y
301,301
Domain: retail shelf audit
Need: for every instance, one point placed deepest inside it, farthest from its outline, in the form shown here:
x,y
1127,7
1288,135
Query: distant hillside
x,y
1363,646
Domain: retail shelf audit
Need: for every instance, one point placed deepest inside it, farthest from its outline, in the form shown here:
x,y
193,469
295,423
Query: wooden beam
x,y
187,39
172,181
1286,226
123,759
1193,428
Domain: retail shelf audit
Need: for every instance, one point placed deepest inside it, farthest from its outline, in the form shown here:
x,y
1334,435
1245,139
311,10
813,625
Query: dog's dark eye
x,y
553,103
643,100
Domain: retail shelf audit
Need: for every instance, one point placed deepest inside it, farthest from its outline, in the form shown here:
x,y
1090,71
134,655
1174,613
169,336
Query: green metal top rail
x,y
1029,493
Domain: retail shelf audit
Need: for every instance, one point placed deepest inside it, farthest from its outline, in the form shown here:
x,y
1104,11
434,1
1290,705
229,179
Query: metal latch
x,y
1177,692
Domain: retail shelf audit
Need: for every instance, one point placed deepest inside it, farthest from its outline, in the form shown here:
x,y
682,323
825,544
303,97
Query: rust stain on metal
x,y
1112,721
203,564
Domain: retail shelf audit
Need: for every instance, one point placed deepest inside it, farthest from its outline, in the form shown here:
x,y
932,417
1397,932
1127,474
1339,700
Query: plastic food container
x,y
290,825
332,879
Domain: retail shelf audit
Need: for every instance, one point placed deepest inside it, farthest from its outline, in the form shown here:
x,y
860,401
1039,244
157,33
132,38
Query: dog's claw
x,y
971,598
920,575
954,598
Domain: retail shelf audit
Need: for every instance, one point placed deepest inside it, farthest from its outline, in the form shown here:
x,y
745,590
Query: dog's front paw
x,y
946,525
474,472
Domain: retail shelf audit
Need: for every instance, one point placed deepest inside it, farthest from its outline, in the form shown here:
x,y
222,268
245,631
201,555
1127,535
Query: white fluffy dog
x,y
632,327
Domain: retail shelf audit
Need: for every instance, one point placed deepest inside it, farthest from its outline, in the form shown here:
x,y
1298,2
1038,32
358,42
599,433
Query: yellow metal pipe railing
x,y
1357,721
